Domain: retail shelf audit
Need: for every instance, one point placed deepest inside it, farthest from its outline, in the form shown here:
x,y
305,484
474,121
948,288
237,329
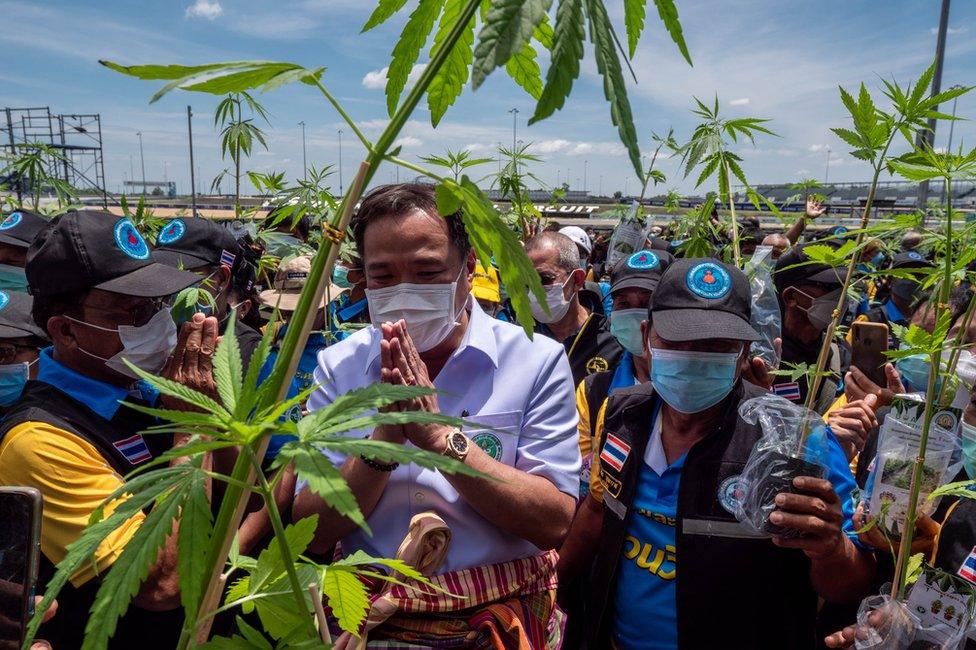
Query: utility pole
x,y
304,157
142,162
827,170
193,178
340,161
132,173
499,152
585,162
927,137
600,190
514,112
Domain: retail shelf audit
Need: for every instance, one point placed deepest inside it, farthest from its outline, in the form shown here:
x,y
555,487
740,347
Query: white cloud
x,y
208,9
376,79
818,147
950,30
408,141
741,101
550,146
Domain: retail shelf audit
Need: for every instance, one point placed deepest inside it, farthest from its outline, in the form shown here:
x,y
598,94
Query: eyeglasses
x,y
9,351
140,313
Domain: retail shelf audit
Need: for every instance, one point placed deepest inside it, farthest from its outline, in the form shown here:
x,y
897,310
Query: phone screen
x,y
19,512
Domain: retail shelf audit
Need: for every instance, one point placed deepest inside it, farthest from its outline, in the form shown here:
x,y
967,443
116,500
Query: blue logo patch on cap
x,y
840,230
708,280
172,232
914,255
4,299
11,221
643,260
129,241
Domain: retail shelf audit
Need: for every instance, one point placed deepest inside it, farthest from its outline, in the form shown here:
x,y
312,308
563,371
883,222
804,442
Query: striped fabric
x,y
511,605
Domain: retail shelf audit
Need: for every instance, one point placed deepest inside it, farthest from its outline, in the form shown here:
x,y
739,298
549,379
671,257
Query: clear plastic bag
x,y
883,624
627,238
774,461
930,620
766,316
889,475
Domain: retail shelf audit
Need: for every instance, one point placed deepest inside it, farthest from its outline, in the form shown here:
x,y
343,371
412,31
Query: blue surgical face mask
x,y
340,277
914,371
968,438
13,278
13,377
625,325
691,382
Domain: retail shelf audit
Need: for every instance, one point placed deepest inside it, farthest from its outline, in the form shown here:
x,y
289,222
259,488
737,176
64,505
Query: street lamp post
x,y
142,162
340,161
827,169
952,123
926,137
585,162
514,112
304,155
193,178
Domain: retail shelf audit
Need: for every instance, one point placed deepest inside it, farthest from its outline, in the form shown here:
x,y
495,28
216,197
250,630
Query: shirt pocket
x,y
497,435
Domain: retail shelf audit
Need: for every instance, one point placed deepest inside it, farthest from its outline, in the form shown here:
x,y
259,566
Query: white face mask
x,y
147,346
558,303
428,309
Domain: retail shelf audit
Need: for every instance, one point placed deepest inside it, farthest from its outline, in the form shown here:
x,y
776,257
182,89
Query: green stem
x,y
908,531
343,114
282,542
815,381
232,505
736,254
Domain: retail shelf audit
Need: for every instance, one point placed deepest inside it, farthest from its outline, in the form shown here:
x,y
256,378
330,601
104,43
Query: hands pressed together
x,y
401,364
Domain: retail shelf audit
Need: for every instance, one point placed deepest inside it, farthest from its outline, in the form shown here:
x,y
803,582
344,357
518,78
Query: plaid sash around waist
x,y
509,605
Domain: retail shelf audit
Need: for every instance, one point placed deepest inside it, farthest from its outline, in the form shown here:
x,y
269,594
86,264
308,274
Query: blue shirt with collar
x,y
101,397
645,612
893,313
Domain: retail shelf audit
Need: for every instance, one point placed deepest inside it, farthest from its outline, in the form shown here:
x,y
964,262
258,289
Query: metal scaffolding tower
x,y
77,137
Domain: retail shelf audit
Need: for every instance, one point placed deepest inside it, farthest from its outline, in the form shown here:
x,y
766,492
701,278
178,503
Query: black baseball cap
x,y
794,268
908,260
91,249
642,270
191,242
703,298
20,227
15,316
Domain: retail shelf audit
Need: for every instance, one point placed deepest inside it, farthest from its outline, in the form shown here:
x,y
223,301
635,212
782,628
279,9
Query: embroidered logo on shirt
x,y
790,390
597,364
11,221
708,280
294,413
129,241
227,258
172,232
134,449
4,299
968,568
730,494
614,453
490,444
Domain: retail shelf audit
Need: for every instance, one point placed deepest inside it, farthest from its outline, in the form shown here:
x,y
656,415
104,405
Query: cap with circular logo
x,y
642,270
15,316
20,227
702,298
91,249
192,242
908,260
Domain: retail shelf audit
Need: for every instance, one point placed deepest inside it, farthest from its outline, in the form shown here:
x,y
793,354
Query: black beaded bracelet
x,y
379,467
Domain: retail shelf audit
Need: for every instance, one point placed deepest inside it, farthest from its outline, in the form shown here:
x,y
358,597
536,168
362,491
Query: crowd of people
x,y
607,446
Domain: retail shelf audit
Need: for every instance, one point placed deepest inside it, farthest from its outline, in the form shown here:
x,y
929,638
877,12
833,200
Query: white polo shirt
x,y
496,377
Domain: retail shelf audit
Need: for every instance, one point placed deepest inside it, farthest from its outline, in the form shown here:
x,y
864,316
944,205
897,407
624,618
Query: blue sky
x,y
775,59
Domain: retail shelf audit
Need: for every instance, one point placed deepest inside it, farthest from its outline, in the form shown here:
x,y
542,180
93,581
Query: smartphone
x,y
20,541
869,342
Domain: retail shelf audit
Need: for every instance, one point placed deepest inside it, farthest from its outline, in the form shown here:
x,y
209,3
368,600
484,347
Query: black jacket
x,y
734,588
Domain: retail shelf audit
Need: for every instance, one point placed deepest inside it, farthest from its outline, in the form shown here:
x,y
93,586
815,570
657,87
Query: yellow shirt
x,y
74,480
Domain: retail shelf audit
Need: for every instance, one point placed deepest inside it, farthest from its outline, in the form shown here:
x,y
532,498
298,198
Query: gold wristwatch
x,y
457,445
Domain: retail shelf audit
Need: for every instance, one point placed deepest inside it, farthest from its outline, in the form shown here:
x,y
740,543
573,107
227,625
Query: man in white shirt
x,y
427,331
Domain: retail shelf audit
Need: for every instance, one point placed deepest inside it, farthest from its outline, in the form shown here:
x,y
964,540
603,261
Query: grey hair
x,y
567,254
